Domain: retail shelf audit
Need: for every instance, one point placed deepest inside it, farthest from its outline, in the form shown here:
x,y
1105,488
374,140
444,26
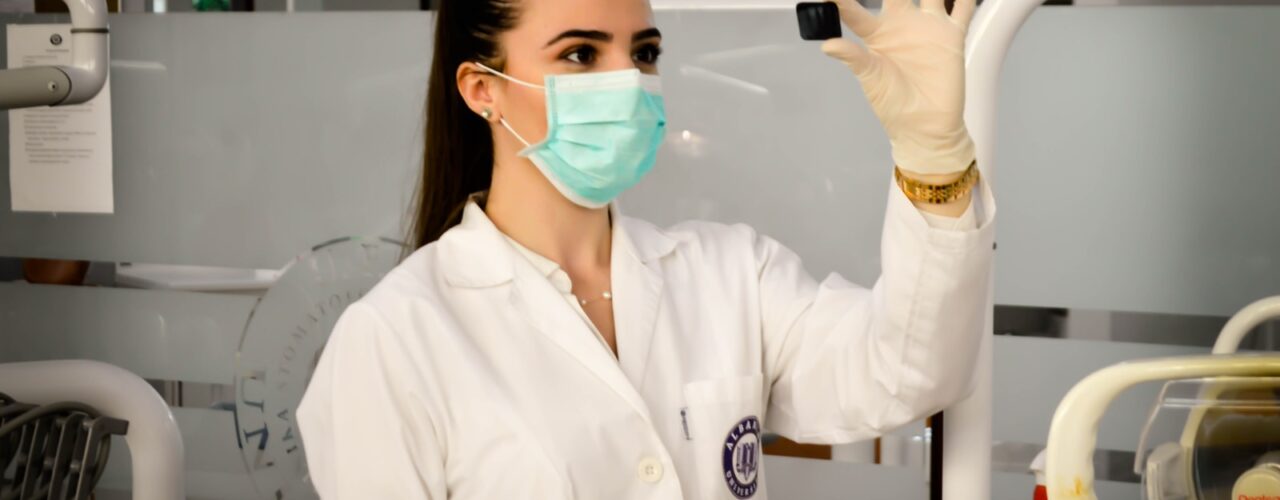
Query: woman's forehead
x,y
549,18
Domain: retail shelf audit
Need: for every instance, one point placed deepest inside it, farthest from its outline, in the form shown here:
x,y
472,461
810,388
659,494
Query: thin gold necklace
x,y
603,296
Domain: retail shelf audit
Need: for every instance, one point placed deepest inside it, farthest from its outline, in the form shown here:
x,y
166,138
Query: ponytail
x,y
457,157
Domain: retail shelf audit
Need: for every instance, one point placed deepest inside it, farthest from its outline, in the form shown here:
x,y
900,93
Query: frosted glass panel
x,y
242,140
826,480
1136,168
159,335
215,470
1008,486
1033,374
1138,160
1135,163
267,347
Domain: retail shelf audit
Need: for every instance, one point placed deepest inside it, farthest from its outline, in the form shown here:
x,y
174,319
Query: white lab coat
x,y
465,375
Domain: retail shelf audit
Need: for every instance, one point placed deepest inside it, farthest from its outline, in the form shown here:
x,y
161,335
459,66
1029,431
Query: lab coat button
x,y
650,470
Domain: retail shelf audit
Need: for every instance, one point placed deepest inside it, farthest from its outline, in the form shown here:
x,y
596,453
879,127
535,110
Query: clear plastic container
x,y
1204,435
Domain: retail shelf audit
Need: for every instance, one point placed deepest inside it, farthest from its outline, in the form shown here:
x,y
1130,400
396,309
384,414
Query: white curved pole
x,y
154,442
966,452
1245,321
1074,432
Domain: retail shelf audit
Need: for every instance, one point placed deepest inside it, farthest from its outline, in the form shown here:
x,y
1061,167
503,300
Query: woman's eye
x,y
584,54
647,54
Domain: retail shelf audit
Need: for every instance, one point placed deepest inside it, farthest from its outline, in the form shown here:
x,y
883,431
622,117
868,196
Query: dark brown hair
x,y
457,156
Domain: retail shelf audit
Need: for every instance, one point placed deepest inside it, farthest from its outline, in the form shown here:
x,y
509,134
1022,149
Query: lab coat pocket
x,y
722,418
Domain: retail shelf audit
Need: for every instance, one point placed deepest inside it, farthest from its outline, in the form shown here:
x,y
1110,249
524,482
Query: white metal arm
x,y
154,442
1074,432
62,85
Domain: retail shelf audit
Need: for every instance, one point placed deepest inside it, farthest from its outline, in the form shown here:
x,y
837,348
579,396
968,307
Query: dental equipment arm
x,y
1244,321
1074,431
63,85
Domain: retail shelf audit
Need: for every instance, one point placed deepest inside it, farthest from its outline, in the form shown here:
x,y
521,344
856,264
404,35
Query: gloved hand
x,y
912,71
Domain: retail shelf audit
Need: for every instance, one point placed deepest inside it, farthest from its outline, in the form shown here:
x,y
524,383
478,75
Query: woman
x,y
539,345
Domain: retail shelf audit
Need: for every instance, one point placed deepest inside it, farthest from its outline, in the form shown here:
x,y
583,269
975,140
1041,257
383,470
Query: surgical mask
x,y
603,132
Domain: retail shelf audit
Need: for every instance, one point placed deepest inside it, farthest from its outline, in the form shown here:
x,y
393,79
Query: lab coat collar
x,y
637,292
642,240
475,253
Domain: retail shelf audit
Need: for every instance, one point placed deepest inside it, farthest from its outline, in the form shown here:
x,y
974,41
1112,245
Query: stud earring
x,y
486,113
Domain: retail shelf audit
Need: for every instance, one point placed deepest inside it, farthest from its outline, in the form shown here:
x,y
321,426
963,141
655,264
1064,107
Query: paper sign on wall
x,y
59,157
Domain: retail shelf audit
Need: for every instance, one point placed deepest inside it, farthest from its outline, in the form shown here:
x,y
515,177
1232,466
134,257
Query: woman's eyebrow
x,y
647,33
588,34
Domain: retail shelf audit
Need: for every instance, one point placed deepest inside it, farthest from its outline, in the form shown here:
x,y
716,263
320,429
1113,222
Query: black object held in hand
x,y
818,20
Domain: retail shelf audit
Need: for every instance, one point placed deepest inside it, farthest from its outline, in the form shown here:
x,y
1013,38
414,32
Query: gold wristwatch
x,y
937,194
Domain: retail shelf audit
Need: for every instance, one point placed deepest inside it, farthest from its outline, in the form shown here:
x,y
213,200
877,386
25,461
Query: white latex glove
x,y
912,71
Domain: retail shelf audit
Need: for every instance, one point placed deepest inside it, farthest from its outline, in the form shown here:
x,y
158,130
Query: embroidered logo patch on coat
x,y
742,457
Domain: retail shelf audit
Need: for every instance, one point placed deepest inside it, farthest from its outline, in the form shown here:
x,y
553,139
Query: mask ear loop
x,y
509,78
517,81
507,126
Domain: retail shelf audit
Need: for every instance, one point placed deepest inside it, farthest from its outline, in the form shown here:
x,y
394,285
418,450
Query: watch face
x,y
279,348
